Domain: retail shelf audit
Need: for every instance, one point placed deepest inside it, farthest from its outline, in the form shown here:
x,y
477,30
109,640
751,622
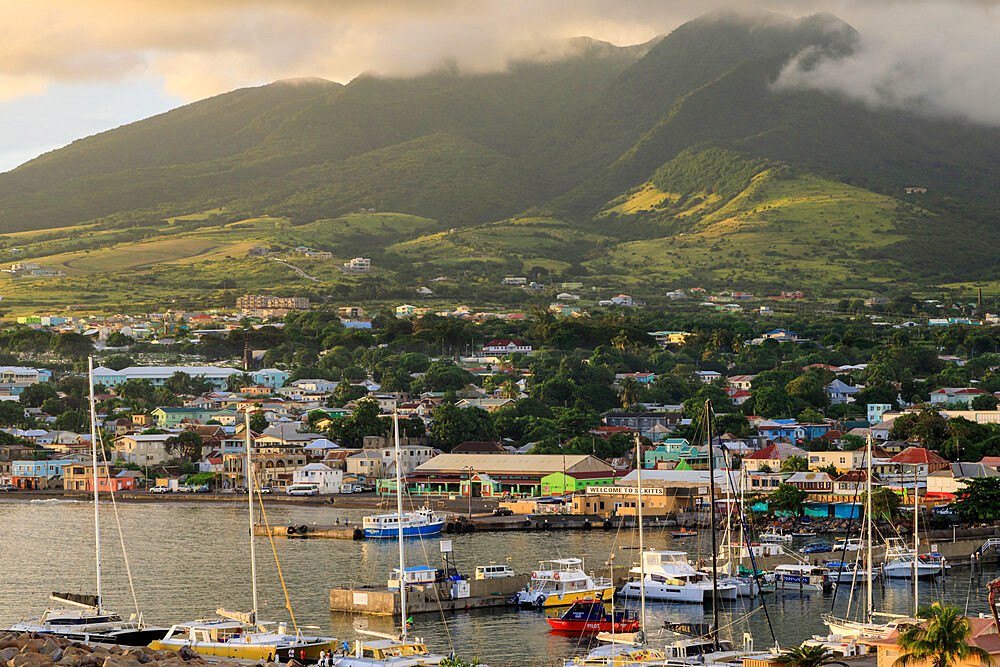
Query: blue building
x,y
38,474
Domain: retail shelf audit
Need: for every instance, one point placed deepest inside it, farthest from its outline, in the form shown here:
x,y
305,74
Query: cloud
x,y
201,47
931,58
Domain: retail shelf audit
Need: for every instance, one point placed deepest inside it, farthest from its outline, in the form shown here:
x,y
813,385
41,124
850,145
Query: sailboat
x,y
242,635
387,650
82,617
867,626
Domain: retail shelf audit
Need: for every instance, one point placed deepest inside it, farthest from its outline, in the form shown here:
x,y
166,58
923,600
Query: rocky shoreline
x,y
30,649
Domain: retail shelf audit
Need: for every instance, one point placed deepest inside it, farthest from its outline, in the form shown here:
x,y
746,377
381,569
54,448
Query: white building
x,y
506,346
358,265
326,479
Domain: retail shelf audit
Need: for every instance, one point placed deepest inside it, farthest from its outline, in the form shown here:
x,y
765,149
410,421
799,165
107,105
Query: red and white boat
x,y
590,617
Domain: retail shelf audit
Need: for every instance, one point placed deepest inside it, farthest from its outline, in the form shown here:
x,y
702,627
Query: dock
x,y
336,532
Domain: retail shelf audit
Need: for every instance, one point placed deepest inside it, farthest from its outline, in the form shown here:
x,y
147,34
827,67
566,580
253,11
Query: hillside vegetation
x,y
670,161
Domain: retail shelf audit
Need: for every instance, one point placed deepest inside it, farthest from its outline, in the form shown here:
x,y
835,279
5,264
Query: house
x,y
913,463
622,300
952,395
424,291
406,310
515,280
560,483
812,482
944,484
738,396
142,450
80,477
488,404
841,460
358,265
566,296
665,338
708,377
325,478
780,335
641,378
642,421
772,456
281,435
506,346
840,393
410,457
367,464
351,312
876,410
173,417
853,483
744,382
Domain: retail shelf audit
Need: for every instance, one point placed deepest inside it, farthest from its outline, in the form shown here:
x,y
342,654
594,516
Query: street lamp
x,y
469,468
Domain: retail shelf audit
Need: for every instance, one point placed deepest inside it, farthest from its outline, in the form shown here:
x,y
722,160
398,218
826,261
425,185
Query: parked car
x,y
202,489
816,548
358,488
944,510
184,488
266,489
159,488
240,489
503,511
346,488
8,487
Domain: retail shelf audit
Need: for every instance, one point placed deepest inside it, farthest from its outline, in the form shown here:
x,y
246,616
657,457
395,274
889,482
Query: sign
x,y
361,599
625,490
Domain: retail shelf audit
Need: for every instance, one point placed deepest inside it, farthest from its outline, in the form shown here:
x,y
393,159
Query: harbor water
x,y
188,559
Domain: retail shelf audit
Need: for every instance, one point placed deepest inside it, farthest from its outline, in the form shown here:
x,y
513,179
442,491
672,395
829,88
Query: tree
x,y
985,402
116,362
795,464
942,641
451,426
186,444
788,498
830,470
72,420
72,344
34,395
630,391
118,339
808,656
510,390
885,502
258,422
979,499
137,390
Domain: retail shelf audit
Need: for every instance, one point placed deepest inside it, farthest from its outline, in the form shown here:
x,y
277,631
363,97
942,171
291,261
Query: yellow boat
x,y
234,635
562,582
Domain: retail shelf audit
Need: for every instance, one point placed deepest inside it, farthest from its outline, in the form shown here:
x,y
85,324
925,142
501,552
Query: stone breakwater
x,y
38,650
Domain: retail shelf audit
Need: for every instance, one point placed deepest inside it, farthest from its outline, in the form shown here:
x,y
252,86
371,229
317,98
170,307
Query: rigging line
x,y
118,523
850,522
270,536
753,563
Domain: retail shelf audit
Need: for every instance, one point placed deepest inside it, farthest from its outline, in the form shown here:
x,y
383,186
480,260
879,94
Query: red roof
x,y
767,453
504,342
738,393
915,455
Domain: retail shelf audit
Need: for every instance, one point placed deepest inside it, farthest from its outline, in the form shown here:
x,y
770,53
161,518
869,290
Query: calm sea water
x,y
188,559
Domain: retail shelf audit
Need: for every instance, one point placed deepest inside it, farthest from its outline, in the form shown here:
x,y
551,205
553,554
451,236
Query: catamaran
x,y
82,617
242,635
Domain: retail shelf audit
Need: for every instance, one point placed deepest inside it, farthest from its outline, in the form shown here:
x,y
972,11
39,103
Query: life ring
x,y
534,575
556,576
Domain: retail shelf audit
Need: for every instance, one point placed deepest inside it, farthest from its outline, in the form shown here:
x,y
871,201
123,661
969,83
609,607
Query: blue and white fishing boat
x,y
422,523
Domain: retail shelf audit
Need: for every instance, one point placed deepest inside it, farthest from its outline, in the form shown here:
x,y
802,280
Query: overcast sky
x,y
70,68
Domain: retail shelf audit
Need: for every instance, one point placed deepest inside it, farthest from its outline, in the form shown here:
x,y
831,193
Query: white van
x,y
492,571
303,490
347,488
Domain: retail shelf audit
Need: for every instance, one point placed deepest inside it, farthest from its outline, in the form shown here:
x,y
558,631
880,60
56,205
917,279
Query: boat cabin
x,y
412,576
562,575
387,648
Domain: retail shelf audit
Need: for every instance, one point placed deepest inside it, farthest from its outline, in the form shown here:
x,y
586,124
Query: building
x,y
157,375
665,338
358,265
876,410
36,475
658,500
24,375
406,310
841,460
560,483
515,280
840,393
643,421
325,478
506,346
351,312
983,635
707,377
80,477
142,450
812,482
367,465
249,302
489,475
954,395
173,417
744,382
771,456
781,335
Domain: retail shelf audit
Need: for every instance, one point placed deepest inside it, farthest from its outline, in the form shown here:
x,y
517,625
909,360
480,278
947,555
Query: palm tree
x,y
510,390
630,390
808,656
942,641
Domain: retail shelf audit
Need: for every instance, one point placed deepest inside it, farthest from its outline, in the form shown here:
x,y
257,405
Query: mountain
x,y
679,159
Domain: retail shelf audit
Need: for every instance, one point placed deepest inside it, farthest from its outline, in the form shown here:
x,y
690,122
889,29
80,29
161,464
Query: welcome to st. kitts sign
x,y
625,490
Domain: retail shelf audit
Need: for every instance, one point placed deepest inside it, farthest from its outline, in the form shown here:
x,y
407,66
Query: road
x,y
297,270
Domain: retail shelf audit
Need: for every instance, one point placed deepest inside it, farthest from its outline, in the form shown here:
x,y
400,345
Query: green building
x,y
559,483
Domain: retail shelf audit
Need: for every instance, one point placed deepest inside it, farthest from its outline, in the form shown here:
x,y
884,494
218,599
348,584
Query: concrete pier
x,y
304,530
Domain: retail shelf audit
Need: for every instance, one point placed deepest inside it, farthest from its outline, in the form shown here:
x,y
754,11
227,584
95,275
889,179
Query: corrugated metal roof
x,y
530,463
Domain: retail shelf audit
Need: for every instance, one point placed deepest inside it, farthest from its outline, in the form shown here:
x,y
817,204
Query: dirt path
x,y
297,270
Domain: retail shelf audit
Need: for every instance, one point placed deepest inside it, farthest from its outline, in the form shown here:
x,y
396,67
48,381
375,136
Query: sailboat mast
x,y
642,557
916,544
93,456
711,496
868,528
250,486
399,523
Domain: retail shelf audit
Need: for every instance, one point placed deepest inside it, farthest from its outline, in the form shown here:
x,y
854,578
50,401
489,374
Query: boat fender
x,y
303,529
290,530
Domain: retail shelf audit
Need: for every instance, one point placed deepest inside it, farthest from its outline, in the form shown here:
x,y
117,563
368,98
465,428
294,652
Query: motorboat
x,y
562,582
668,576
775,535
741,551
849,544
804,533
801,577
902,567
421,523
847,573
684,533
590,616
